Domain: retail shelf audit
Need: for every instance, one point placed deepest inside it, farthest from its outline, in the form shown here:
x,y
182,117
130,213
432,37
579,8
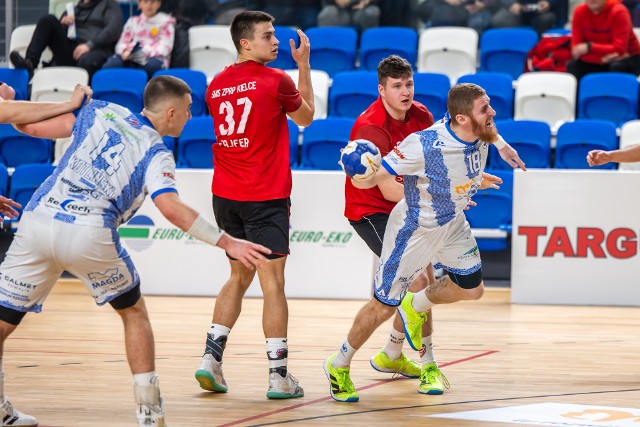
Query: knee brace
x,y
467,281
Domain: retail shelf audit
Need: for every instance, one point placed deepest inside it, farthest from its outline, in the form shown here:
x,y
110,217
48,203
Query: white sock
x,y
393,347
219,330
344,356
426,352
420,302
277,353
144,379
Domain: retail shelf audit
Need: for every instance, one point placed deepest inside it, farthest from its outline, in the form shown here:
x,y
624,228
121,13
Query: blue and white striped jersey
x,y
441,173
115,159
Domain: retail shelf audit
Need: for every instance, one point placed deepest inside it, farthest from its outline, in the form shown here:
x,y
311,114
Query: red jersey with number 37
x,y
377,126
248,102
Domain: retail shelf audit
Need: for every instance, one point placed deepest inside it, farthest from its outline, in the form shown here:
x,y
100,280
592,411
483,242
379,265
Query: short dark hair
x,y
243,23
163,87
461,99
395,67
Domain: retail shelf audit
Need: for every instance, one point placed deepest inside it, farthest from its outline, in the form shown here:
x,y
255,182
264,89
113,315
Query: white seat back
x,y
60,148
20,39
547,97
55,84
452,51
629,136
211,49
321,82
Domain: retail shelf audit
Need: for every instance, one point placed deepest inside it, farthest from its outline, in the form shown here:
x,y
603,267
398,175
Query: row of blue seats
x,y
319,145
501,49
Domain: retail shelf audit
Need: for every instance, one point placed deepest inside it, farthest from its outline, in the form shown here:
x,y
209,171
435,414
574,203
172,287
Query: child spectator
x,y
146,41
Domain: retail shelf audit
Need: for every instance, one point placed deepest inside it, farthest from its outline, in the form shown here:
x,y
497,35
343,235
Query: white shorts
x,y
44,247
408,248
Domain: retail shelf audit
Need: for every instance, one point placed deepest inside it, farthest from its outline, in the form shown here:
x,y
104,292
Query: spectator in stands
x,y
539,14
474,14
294,13
146,41
398,13
602,39
343,13
98,24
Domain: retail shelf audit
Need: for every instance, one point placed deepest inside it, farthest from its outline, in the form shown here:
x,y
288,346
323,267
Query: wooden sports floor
x,y
66,366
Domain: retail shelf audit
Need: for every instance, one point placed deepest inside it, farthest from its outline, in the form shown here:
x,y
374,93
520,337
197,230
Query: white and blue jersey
x,y
441,173
115,160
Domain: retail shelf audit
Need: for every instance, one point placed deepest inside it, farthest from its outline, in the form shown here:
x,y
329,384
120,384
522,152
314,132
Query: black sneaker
x,y
19,62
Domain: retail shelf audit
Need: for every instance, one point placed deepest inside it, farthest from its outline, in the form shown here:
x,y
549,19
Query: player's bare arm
x,y
510,156
7,93
24,112
626,155
303,116
189,220
7,207
490,181
391,189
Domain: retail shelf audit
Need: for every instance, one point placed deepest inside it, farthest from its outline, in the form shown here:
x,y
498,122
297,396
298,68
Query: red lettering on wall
x,y
559,242
532,234
590,239
628,245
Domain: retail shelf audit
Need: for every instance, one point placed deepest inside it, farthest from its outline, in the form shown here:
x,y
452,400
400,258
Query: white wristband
x,y
203,229
500,143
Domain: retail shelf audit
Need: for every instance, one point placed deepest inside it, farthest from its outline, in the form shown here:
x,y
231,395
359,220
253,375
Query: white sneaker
x,y
12,417
149,411
283,387
210,375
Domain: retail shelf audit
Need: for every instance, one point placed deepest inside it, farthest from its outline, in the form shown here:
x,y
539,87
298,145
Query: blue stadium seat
x,y
18,79
129,8
608,96
576,139
379,42
18,149
195,144
107,85
352,92
285,61
505,49
294,145
197,81
25,180
4,180
532,140
432,90
333,49
491,218
322,141
170,142
499,87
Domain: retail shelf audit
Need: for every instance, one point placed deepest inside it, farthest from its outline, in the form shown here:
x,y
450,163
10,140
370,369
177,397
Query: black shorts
x,y
371,229
265,223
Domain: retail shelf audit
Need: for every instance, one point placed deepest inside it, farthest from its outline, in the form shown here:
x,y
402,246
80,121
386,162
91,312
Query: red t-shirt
x,y
377,126
248,102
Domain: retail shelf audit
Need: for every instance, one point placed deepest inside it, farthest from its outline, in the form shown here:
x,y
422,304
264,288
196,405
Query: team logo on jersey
x,y
438,144
471,253
109,116
133,121
398,152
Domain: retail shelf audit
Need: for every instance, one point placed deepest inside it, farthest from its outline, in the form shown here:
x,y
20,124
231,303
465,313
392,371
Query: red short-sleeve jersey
x,y
377,126
248,102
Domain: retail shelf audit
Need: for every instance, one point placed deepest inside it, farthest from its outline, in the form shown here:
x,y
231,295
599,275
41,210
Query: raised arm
x,y
23,112
187,219
303,116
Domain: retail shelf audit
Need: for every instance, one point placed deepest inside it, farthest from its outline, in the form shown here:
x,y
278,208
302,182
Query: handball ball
x,y
360,159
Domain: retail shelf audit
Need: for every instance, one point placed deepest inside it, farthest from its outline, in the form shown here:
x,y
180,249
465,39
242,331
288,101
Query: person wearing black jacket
x,y
98,24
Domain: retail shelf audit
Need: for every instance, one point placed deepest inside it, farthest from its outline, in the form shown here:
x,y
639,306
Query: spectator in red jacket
x,y
603,39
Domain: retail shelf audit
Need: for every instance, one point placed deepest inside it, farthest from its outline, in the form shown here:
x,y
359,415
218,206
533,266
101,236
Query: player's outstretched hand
x,y
510,156
78,95
249,254
7,207
597,157
490,181
303,52
6,92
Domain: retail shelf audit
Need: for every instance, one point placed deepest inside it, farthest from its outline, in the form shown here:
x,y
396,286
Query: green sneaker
x,y
412,322
403,366
342,388
432,380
